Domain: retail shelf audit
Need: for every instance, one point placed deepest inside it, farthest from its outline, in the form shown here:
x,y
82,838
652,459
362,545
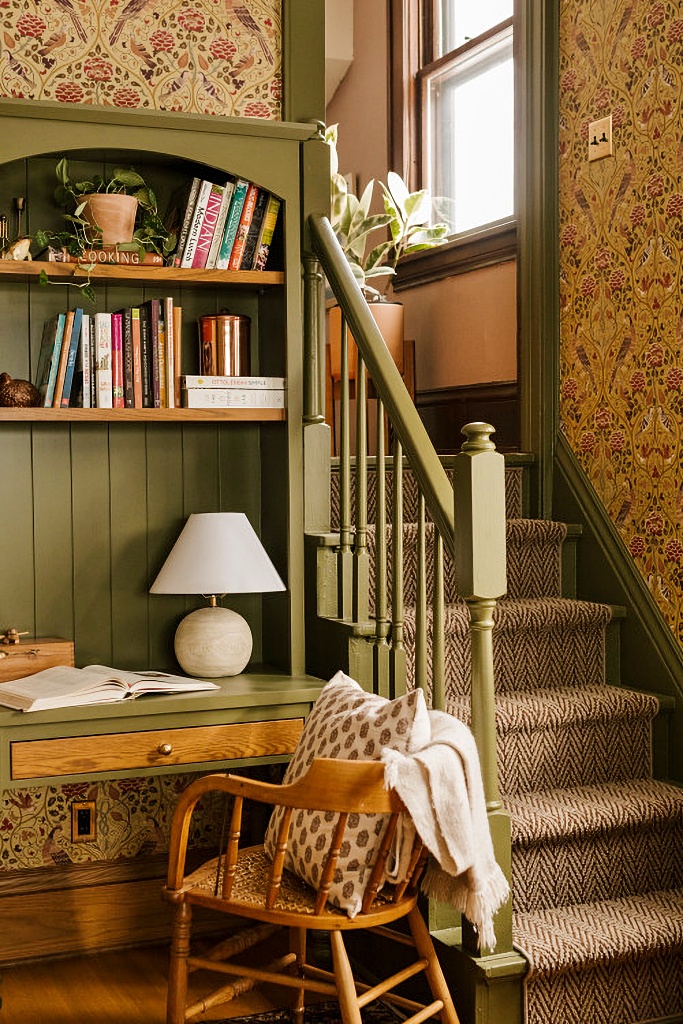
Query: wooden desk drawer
x,y
83,755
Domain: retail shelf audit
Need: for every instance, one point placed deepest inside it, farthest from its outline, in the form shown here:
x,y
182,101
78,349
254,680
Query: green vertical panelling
x,y
240,491
52,527
129,576
16,526
91,543
165,519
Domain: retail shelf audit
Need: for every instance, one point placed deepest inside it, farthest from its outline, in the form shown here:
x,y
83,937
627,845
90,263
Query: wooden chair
x,y
245,883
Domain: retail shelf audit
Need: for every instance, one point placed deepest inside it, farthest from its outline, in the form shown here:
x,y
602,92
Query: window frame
x,y
411,41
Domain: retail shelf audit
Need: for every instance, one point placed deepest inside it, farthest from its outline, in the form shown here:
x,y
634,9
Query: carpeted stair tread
x,y
542,614
561,813
578,937
530,710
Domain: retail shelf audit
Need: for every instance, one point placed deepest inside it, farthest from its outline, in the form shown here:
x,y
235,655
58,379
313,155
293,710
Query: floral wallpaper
x,y
217,57
621,269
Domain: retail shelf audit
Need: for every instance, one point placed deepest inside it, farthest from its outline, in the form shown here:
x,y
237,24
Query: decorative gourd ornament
x,y
20,393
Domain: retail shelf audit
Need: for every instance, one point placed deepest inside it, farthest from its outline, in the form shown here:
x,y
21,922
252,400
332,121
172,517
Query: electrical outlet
x,y
82,821
600,138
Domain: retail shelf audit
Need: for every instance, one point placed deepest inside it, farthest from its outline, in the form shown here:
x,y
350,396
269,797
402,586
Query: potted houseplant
x,y
406,227
120,210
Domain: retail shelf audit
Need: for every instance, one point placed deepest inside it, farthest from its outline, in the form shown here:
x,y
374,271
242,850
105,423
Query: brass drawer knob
x,y
165,749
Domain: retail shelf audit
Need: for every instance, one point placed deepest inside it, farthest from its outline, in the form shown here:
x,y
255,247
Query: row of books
x,y
223,392
128,359
228,226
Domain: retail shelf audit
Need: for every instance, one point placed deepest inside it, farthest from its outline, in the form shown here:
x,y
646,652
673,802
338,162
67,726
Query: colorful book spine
x,y
103,360
233,398
257,383
74,342
117,389
161,356
267,232
197,220
215,249
63,358
254,232
190,200
48,359
169,354
243,227
146,356
177,351
85,361
207,227
137,358
232,223
127,345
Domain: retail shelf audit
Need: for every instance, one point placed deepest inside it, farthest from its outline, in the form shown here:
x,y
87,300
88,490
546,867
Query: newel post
x,y
479,487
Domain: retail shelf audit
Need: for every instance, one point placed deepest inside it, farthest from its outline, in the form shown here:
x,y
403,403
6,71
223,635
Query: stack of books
x,y
228,226
128,359
203,392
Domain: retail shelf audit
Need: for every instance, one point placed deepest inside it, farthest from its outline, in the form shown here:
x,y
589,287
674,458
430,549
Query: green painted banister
x,y
404,417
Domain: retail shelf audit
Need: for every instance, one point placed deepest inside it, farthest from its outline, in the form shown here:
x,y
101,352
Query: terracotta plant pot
x,y
112,214
389,318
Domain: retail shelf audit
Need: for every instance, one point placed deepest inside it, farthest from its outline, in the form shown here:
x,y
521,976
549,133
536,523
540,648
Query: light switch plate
x,y
600,138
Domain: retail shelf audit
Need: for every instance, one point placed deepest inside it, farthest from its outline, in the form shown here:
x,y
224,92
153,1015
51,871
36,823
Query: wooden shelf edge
x,y
40,415
27,270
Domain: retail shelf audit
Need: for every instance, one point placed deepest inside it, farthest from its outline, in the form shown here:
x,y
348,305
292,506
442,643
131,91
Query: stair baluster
x,y
398,653
421,599
361,559
345,557
381,647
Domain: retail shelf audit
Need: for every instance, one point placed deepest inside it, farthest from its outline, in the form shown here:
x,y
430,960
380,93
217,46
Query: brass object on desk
x,y
18,393
12,636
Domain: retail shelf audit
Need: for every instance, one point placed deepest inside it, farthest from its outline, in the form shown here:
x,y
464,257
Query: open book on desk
x,y
66,687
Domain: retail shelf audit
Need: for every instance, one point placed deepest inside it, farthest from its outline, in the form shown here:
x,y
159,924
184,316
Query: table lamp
x,y
216,553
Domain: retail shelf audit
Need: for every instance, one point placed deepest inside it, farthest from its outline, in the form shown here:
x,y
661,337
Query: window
x,y
453,125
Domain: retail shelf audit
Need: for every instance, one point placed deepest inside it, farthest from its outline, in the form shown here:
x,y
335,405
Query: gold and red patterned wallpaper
x,y
621,274
216,57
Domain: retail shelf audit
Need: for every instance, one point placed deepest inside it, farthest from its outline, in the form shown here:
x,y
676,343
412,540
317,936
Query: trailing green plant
x,y
150,234
407,220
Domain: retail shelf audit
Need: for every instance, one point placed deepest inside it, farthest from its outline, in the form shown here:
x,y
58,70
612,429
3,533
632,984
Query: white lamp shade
x,y
217,553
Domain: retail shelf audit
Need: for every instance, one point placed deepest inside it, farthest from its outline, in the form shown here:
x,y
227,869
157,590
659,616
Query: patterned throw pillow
x,y
346,722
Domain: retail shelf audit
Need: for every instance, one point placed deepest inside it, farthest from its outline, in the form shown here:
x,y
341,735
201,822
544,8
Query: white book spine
x,y
84,358
197,219
103,360
233,398
254,383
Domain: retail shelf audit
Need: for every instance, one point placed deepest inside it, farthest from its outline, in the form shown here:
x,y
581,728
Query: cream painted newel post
x,y
479,488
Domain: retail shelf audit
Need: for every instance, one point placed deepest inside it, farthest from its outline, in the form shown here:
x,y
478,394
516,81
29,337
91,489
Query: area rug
x,y
319,1013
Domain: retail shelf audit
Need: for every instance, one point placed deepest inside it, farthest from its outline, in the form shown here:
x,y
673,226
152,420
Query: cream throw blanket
x,y
442,788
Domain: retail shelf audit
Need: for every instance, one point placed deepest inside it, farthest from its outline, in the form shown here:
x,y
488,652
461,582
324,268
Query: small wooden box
x,y
29,656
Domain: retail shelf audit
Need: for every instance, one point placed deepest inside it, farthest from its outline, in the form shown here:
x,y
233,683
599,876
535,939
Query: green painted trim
x,y
303,60
254,127
536,91
651,658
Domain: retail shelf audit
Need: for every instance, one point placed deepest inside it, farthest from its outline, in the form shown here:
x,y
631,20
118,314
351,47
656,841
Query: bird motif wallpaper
x,y
215,57
621,274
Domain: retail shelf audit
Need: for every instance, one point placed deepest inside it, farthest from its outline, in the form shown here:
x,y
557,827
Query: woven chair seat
x,y
251,881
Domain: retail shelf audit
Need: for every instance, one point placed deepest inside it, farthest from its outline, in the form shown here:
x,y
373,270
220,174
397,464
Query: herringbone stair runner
x,y
597,857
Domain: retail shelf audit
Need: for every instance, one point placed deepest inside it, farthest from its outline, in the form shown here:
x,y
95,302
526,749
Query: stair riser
x,y
590,868
529,659
622,993
533,569
579,754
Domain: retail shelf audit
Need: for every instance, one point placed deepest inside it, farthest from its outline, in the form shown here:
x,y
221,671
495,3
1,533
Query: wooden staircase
x,y
596,870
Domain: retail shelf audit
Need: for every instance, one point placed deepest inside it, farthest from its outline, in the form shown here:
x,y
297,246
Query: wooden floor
x,y
122,987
